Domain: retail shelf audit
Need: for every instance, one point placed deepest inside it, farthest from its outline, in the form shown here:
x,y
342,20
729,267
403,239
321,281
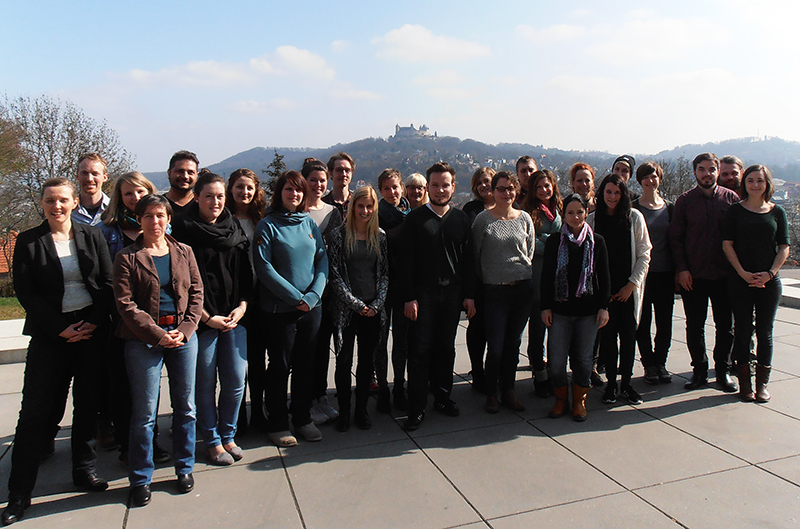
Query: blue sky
x,y
620,76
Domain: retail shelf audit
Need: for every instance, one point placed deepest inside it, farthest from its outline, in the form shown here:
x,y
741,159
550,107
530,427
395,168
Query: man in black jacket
x,y
435,281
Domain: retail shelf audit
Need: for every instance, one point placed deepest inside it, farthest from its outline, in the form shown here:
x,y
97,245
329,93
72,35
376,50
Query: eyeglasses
x,y
504,190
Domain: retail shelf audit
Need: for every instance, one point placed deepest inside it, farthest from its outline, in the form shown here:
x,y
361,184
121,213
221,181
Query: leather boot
x,y
762,380
745,373
510,401
579,402
562,402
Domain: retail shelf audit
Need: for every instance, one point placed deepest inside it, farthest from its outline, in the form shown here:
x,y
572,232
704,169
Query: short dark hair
x,y
183,155
388,174
59,181
511,177
526,159
205,178
705,157
440,167
294,179
341,156
153,200
648,168
763,169
733,160
573,197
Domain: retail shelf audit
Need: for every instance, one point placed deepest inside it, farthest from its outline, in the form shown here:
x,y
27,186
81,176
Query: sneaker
x,y
310,432
651,375
610,394
663,375
447,407
327,409
283,439
627,392
317,415
597,380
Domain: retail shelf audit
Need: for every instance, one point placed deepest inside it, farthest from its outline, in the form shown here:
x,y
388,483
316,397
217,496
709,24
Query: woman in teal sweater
x,y
292,268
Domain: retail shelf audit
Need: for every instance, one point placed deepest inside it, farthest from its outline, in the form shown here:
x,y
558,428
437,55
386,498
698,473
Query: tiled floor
x,y
681,459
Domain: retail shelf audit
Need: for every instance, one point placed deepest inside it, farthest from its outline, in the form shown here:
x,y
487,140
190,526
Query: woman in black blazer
x,y
62,277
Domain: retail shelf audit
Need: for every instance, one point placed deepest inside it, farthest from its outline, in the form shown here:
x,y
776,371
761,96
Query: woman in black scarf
x,y
221,249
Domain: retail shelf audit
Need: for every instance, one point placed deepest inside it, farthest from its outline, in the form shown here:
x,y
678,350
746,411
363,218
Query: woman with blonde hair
x,y
359,275
119,225
416,190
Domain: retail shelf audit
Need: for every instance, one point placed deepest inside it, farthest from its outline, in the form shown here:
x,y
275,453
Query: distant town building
x,y
412,132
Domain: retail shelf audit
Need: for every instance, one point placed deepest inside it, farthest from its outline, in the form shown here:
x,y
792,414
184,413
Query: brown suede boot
x,y
579,402
745,374
510,401
562,402
762,380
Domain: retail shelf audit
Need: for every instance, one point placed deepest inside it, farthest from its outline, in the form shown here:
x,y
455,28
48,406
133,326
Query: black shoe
x,y
400,399
543,388
159,454
663,375
726,383
89,480
185,483
343,422
651,375
362,419
414,420
631,395
610,394
15,510
698,381
597,380
447,407
479,381
140,495
384,404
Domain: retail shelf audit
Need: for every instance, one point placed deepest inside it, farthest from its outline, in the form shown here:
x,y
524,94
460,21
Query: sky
x,y
219,78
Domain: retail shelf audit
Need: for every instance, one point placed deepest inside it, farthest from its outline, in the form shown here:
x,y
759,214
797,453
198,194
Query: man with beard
x,y
340,166
436,280
182,174
730,172
702,270
525,167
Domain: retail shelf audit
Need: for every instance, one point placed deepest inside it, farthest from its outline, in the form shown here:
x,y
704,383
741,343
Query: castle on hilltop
x,y
412,132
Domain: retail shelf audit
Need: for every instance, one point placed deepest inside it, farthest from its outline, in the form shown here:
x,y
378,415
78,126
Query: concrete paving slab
x,y
636,449
386,485
11,378
105,509
481,463
744,497
787,468
623,509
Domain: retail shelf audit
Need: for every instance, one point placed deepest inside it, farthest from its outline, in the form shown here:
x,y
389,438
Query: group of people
x,y
207,277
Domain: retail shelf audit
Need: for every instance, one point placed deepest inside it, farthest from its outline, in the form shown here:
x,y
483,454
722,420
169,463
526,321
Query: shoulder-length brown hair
x,y
294,179
255,209
532,202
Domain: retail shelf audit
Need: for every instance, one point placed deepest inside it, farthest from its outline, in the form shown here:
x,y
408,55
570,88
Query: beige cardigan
x,y
640,250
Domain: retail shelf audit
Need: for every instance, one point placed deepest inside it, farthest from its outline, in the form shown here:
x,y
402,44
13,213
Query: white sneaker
x,y
327,409
283,439
318,416
310,432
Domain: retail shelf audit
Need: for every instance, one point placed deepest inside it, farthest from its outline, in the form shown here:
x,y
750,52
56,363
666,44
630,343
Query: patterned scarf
x,y
585,240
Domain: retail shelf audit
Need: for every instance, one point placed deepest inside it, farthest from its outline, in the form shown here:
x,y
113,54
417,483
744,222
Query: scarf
x,y
547,213
224,234
584,240
128,221
390,216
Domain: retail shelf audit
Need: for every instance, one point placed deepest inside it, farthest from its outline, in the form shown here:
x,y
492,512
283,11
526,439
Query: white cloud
x,y
286,60
364,95
412,43
647,37
556,33
441,78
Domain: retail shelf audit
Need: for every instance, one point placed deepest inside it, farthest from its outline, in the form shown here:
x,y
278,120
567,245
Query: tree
x,y
275,169
50,137
678,177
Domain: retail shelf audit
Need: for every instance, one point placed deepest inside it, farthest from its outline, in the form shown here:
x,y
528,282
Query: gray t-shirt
x,y
503,248
657,221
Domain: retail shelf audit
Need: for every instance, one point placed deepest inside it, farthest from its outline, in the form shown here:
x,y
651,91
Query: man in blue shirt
x,y
92,174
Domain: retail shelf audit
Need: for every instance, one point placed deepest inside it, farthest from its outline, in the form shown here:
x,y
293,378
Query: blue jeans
x,y
144,364
224,353
571,337
507,308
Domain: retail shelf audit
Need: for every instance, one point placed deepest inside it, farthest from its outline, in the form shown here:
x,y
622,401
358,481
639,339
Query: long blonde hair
x,y
351,234
115,211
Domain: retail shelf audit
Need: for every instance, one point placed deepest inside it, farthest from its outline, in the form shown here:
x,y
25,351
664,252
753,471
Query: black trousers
x,y
695,305
368,331
621,324
51,364
659,298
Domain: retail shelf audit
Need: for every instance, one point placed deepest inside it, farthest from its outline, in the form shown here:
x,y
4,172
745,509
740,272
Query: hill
x,y
411,155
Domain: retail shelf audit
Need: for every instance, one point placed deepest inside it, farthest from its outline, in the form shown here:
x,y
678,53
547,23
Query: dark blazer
x,y
137,290
39,279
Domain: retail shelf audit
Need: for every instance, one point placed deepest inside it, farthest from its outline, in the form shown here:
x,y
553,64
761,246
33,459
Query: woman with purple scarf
x,y
575,290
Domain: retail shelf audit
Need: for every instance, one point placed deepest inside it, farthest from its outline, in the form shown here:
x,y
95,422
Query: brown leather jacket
x,y
137,291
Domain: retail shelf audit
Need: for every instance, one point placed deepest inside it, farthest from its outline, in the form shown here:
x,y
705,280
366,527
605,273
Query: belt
x,y
166,320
